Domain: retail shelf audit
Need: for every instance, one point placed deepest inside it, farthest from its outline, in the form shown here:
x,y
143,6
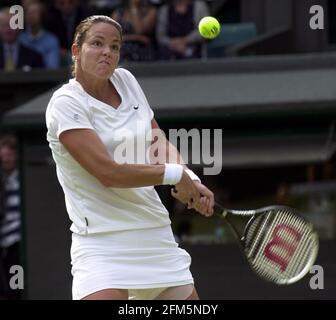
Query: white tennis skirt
x,y
132,259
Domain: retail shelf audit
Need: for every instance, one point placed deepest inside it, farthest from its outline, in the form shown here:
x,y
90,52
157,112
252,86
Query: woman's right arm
x,y
88,150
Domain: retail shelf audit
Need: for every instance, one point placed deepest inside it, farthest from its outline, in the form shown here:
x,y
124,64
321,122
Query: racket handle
x,y
219,210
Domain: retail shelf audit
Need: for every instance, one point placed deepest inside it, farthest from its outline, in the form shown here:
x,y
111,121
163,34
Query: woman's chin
x,y
104,74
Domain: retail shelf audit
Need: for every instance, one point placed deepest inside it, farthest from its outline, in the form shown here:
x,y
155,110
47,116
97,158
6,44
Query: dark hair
x,y
85,26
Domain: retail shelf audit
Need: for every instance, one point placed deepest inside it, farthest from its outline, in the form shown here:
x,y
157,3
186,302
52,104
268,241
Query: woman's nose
x,y
107,51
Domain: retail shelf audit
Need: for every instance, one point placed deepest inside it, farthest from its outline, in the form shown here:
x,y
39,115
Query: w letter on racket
x,y
281,242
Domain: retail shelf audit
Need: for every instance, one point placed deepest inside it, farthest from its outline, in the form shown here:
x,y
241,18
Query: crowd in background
x,y
153,30
10,217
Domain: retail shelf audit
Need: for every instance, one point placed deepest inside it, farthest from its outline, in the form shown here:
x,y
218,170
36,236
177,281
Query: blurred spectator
x,y
137,19
282,196
177,29
156,3
320,204
14,55
3,279
7,3
37,38
63,17
26,3
104,7
10,224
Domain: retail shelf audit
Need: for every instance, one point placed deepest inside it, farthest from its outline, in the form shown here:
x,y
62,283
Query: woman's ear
x,y
75,52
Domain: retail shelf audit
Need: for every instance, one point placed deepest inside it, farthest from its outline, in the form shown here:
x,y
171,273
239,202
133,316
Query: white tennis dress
x,y
122,238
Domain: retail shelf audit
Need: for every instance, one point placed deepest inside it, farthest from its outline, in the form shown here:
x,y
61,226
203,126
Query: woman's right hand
x,y
186,191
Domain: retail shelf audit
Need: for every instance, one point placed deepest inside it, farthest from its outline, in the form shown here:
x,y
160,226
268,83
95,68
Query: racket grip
x,y
219,210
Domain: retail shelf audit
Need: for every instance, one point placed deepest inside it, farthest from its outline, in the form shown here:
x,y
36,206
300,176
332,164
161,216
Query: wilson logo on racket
x,y
279,245
285,240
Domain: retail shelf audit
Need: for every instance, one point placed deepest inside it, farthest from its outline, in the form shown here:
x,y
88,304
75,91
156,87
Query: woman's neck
x,y
95,87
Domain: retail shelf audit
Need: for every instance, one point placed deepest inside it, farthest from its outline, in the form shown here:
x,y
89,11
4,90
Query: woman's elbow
x,y
107,173
108,182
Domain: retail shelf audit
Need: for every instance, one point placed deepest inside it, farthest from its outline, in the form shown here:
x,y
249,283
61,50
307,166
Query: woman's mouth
x,y
105,62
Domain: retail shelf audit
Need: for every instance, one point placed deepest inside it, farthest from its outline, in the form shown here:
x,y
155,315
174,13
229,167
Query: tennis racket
x,y
279,244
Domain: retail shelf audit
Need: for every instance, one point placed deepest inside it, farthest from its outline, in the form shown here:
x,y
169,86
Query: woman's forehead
x,y
103,29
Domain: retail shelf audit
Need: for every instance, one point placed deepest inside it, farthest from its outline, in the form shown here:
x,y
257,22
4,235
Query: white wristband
x,y
192,175
173,173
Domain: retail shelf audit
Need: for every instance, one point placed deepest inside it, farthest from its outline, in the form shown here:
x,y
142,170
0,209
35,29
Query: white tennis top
x,y
92,207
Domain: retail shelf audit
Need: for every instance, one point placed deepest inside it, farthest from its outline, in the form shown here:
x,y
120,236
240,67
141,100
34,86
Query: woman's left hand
x,y
206,203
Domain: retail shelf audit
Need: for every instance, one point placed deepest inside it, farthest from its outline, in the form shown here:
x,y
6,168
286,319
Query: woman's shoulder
x,y
123,73
71,91
72,87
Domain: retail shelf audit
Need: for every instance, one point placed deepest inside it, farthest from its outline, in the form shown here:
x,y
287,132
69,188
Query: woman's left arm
x,y
163,151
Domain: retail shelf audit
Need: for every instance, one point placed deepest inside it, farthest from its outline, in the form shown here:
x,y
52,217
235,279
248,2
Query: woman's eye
x,y
97,43
115,47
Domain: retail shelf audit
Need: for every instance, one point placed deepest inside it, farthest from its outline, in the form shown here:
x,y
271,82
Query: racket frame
x,y
225,214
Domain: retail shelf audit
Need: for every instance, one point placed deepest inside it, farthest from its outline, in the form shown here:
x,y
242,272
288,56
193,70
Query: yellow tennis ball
x,y
209,27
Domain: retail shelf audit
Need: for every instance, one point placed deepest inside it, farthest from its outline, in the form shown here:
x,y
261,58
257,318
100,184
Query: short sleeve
x,y
151,112
67,113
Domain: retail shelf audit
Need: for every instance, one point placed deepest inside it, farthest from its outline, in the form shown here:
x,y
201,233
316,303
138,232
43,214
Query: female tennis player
x,y
122,243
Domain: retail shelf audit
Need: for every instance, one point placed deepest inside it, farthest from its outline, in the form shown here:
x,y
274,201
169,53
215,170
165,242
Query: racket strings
x,y
300,258
287,237
256,234
308,251
258,243
279,245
